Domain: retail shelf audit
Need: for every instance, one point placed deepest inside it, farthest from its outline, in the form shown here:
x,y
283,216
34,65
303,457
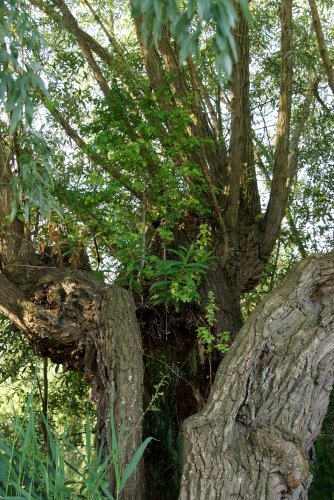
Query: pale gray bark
x,y
254,438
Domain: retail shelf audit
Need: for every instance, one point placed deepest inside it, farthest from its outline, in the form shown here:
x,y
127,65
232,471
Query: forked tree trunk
x,y
254,438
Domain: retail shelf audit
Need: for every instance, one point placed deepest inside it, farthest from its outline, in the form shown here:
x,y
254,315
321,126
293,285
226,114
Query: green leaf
x,y
15,118
159,284
244,4
107,492
134,462
204,9
145,5
13,211
224,64
29,111
50,105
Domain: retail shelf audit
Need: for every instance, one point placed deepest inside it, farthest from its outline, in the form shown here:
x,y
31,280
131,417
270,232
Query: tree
x,y
170,168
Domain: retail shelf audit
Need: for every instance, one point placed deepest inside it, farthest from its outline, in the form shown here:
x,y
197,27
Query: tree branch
x,y
293,160
216,126
157,63
241,163
10,302
119,65
280,185
326,60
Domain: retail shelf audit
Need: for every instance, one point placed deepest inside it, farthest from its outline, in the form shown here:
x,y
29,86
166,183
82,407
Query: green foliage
x,y
176,281
182,276
26,469
30,470
16,354
322,486
209,340
283,258
32,187
21,88
116,453
68,398
188,24
20,41
163,460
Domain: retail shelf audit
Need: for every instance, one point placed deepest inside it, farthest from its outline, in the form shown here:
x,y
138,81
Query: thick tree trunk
x,y
90,327
254,438
120,375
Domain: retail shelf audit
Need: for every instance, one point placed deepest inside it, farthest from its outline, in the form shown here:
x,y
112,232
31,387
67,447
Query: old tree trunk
x,y
255,436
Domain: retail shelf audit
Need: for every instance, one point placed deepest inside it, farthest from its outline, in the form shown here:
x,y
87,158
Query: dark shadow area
x,y
322,487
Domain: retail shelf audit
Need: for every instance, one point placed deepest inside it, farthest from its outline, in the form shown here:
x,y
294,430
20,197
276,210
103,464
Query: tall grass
x,y
32,469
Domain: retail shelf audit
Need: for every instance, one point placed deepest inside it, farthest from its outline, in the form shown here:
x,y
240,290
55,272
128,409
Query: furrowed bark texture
x,y
121,372
255,436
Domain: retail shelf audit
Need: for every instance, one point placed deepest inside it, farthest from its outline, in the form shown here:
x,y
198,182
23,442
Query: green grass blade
x,y
134,462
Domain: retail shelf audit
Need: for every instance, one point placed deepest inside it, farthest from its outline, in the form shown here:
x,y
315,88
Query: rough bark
x,y
255,436
121,373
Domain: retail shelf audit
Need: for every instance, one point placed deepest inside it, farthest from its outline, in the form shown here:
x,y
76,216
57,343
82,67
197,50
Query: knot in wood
x,y
285,456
